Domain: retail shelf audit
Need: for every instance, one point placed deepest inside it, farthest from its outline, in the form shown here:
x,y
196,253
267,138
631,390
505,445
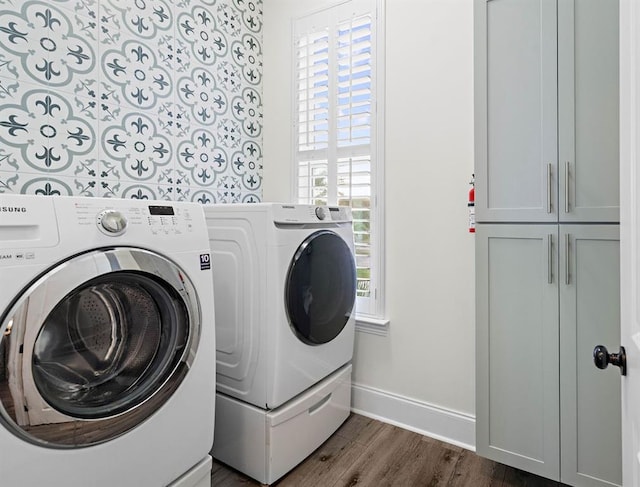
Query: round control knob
x,y
321,213
112,222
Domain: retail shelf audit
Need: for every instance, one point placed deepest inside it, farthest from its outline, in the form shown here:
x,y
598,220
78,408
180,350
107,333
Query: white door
x,y
629,235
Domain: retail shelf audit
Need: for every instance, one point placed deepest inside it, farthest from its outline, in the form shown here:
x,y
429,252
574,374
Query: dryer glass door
x,y
95,346
320,288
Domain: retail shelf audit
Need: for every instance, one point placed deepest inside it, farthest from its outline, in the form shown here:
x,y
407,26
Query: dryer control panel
x,y
297,214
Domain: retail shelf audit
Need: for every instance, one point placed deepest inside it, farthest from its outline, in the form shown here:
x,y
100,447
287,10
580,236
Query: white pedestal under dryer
x,y
285,286
107,341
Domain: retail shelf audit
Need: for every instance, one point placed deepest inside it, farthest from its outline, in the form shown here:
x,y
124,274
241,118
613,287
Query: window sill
x,y
373,326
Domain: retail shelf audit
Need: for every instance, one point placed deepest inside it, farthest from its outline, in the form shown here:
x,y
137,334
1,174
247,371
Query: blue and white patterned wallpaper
x,y
158,99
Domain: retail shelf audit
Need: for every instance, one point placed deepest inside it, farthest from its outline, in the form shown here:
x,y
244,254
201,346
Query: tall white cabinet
x,y
547,250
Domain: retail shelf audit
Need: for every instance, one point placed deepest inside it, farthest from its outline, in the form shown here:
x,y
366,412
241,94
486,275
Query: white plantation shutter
x,y
335,127
313,91
354,189
353,111
313,182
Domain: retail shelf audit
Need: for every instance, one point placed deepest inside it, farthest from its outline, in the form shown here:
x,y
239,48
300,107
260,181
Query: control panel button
x,y
321,213
112,222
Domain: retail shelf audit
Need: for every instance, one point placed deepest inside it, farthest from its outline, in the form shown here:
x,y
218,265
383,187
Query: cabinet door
x,y
517,381
589,316
588,110
515,110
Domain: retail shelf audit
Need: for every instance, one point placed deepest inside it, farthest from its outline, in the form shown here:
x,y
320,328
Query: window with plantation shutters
x,y
336,131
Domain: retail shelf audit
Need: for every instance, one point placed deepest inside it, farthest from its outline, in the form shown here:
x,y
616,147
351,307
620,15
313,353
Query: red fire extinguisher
x,y
472,206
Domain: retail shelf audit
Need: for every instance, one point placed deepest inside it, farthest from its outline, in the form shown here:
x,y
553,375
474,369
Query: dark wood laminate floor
x,y
365,452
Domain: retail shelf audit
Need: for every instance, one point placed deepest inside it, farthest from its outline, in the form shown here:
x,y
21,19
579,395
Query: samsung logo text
x,y
13,209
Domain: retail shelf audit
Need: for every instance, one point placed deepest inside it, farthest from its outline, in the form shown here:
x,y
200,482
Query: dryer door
x,y
320,288
95,346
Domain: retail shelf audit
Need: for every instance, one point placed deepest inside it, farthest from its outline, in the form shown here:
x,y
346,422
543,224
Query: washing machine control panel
x,y
38,230
135,219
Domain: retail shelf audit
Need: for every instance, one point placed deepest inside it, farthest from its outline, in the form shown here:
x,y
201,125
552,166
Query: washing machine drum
x,y
104,347
118,334
320,289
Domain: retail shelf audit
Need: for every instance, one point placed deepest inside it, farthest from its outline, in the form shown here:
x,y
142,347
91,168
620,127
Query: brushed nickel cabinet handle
x,y
548,188
550,258
567,264
567,169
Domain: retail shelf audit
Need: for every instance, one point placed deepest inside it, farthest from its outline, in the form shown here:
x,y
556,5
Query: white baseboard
x,y
442,424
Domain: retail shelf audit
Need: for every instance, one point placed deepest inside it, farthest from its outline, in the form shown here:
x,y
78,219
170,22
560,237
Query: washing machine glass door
x,y
320,288
97,345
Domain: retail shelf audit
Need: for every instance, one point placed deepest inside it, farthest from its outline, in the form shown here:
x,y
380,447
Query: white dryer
x,y
106,343
285,287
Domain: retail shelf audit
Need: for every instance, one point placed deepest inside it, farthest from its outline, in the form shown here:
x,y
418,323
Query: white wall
x,y
428,355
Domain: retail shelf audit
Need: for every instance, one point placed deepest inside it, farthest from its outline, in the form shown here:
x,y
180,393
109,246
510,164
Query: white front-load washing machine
x,y
107,341
285,286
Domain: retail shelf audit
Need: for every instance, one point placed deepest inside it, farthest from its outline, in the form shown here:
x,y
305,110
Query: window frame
x,y
372,319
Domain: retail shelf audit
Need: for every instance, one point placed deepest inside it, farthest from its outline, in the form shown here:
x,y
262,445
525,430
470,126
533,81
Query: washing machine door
x,y
320,289
95,346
